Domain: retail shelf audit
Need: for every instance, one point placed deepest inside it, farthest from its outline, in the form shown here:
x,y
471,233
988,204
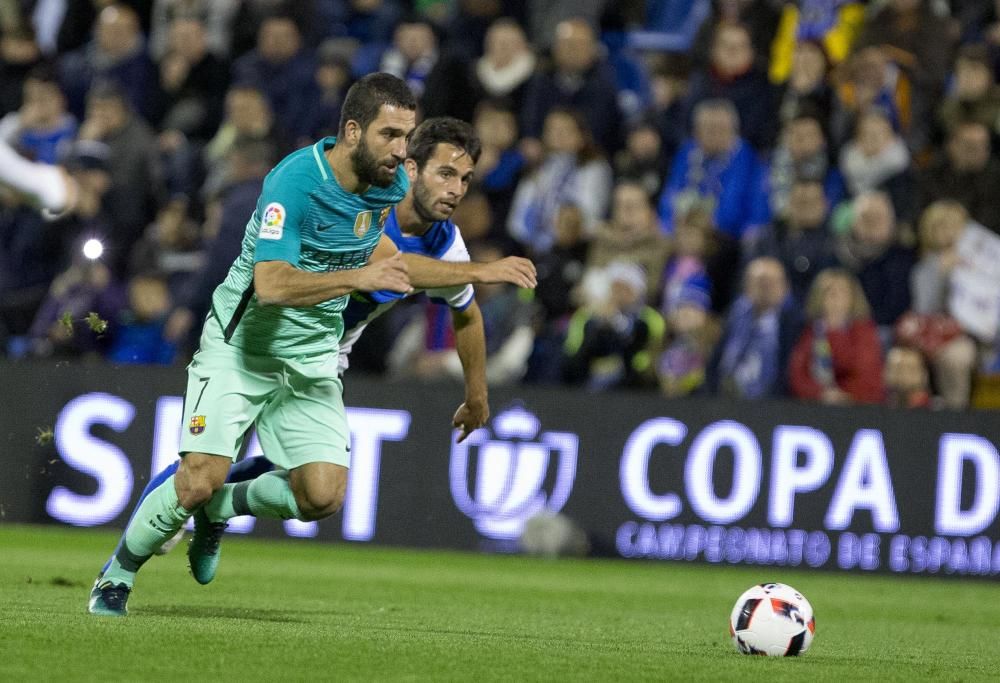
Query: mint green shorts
x,y
296,404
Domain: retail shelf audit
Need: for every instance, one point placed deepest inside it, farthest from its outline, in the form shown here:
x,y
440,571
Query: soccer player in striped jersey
x,y
440,160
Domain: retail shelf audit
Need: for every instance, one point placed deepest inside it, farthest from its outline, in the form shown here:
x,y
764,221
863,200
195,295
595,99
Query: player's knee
x,y
197,480
317,505
319,491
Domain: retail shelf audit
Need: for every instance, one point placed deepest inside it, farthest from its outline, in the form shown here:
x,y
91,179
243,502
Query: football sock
x,y
158,518
156,481
269,495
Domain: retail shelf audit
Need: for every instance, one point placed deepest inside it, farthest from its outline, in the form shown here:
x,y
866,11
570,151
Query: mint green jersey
x,y
303,217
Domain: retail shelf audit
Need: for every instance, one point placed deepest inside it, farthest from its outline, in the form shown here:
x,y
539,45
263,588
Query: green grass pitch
x,y
292,610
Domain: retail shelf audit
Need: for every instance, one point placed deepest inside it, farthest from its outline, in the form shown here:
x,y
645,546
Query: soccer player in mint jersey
x,y
441,157
268,351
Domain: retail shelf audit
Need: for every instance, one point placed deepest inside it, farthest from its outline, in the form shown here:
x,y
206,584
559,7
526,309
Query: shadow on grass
x,y
212,612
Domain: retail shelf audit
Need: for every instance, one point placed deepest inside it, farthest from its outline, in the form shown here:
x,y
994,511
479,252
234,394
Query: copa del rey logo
x,y
517,471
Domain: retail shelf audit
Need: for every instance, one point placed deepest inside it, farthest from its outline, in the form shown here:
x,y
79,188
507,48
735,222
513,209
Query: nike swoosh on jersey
x,y
321,228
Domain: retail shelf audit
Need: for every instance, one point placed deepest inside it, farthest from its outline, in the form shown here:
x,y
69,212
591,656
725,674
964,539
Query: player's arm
x,y
428,273
470,342
49,187
279,283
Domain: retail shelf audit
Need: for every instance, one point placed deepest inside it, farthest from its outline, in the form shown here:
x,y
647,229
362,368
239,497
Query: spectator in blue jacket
x,y
284,69
719,166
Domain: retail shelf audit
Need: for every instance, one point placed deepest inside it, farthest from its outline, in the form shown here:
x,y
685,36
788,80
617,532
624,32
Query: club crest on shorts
x,y
362,223
197,424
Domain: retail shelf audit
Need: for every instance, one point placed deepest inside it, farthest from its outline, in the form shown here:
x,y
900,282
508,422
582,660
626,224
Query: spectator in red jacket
x,y
838,358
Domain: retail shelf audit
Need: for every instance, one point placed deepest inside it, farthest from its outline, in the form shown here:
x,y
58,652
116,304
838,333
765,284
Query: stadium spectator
x,y
170,247
643,160
248,117
691,334
876,158
967,174
247,162
61,328
116,54
138,332
951,353
544,18
507,63
802,154
838,358
20,54
613,338
217,16
762,326
906,379
914,37
808,88
872,80
759,16
283,68
732,75
577,78
830,27
31,252
501,162
440,80
667,110
694,244
560,272
633,235
41,129
718,165
799,238
333,78
133,164
872,253
572,172
975,95
192,82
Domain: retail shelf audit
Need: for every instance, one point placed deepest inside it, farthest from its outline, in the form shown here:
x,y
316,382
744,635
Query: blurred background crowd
x,y
743,198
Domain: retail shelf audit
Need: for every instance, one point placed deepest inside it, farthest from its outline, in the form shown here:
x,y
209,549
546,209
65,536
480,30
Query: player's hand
x,y
469,417
513,269
389,273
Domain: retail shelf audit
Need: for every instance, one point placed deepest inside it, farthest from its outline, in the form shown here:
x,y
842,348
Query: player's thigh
x,y
199,475
225,393
307,423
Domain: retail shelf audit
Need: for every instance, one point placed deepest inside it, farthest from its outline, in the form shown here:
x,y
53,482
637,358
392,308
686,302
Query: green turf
x,y
305,611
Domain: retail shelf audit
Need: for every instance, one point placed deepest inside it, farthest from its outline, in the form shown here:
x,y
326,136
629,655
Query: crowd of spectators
x,y
745,198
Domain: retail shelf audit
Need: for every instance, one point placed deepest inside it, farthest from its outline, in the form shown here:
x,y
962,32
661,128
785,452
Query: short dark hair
x,y
371,93
442,130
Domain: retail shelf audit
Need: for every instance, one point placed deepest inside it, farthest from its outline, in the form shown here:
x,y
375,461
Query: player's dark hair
x,y
371,93
442,130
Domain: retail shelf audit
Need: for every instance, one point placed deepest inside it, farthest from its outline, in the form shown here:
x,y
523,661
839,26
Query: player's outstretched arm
x,y
429,273
279,283
470,342
49,187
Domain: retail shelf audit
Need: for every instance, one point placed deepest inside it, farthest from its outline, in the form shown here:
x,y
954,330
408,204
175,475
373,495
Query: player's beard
x,y
423,204
368,169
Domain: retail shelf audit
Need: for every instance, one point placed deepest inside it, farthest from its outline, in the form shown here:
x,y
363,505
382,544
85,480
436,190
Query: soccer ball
x,y
772,619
